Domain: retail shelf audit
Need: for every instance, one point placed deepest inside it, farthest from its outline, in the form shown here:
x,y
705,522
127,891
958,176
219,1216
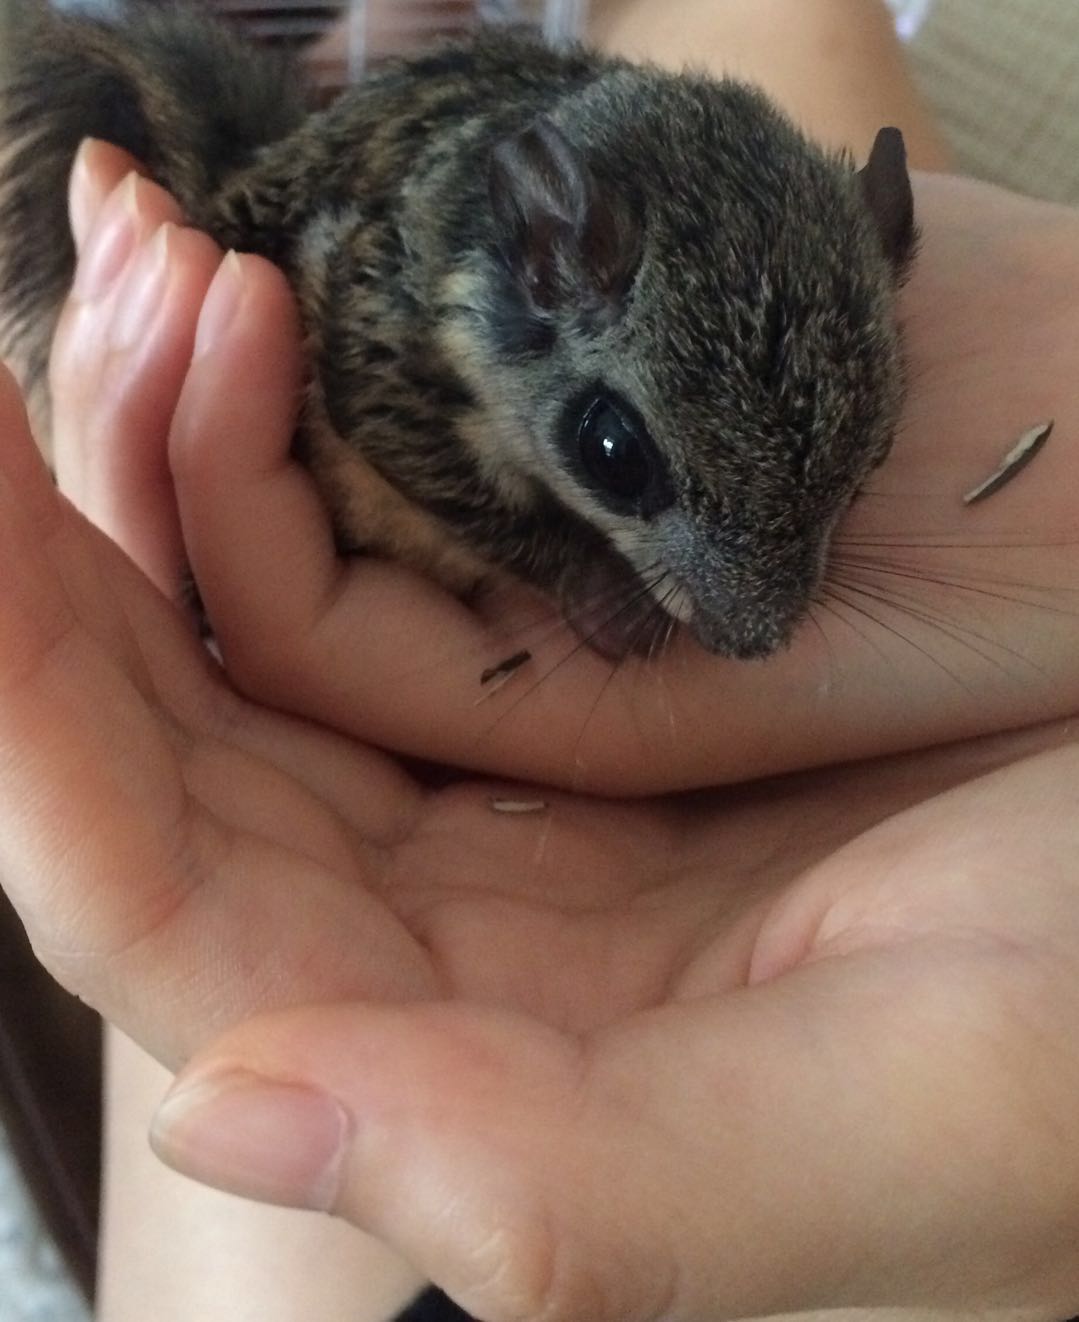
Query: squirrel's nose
x,y
743,638
745,624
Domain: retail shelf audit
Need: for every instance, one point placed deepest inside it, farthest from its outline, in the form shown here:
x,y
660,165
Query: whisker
x,y
662,637
641,590
539,632
646,620
669,631
812,618
883,624
919,611
961,582
828,604
943,542
661,640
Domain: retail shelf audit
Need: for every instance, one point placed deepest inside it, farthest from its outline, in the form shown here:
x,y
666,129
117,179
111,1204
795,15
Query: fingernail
x,y
110,243
143,290
84,198
276,1142
221,304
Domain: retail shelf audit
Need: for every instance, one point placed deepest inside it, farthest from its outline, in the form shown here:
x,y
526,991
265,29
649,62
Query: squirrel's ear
x,y
563,234
886,189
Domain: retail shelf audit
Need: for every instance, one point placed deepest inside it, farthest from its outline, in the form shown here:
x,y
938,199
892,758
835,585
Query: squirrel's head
x,y
684,330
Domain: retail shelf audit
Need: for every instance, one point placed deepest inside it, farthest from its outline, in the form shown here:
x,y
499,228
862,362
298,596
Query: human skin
x,y
836,67
862,979
125,455
600,937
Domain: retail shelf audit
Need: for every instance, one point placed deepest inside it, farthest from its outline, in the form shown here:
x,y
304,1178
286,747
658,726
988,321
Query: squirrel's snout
x,y
745,638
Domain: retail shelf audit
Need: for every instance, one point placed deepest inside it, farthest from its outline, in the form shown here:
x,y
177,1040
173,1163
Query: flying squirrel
x,y
624,333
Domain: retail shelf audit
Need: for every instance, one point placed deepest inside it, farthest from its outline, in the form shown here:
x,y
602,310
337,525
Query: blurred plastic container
x,y
341,41
560,21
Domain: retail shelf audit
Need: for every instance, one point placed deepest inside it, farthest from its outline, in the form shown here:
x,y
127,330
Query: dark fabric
x,y
50,1096
433,1306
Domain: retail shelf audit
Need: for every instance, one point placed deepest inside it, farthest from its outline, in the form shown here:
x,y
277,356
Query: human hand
x,y
183,857
855,1089
940,620
913,777
822,989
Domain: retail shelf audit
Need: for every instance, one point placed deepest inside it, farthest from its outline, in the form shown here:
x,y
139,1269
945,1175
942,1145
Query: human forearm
x,y
836,65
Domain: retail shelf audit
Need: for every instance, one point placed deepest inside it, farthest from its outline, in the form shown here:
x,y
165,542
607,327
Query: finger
x,y
349,1138
362,787
97,169
259,543
130,212
127,487
117,367
21,463
60,775
167,916
490,1151
718,1159
281,601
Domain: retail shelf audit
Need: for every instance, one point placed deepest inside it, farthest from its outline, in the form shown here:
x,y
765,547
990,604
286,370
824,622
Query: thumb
x,y
723,1157
667,1167
461,1136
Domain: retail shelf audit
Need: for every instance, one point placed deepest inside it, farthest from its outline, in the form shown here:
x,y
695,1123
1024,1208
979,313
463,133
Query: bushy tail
x,y
169,85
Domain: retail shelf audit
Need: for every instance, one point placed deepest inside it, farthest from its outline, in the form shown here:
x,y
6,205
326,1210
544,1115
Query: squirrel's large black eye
x,y
614,454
